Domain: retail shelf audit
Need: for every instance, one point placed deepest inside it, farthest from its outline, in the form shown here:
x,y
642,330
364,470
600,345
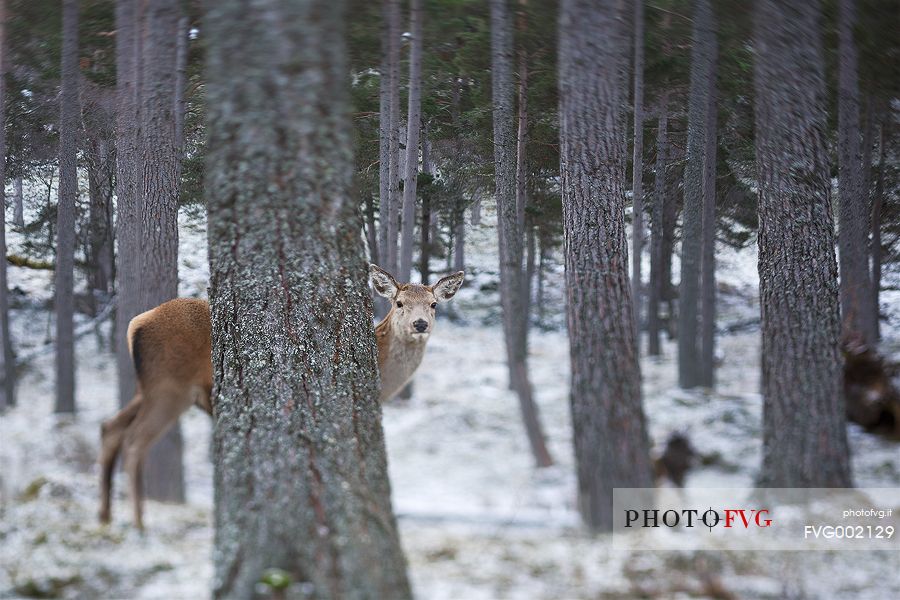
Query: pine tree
x,y
298,425
610,435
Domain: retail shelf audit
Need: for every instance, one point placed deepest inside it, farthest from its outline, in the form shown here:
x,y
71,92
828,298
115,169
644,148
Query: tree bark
x,y
394,139
181,55
298,435
164,470
128,205
510,240
655,293
384,137
100,243
610,434
522,173
877,208
804,427
65,213
7,359
708,240
702,57
856,288
425,227
413,126
637,191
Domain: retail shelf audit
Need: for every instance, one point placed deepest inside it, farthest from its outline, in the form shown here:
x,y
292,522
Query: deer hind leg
x,y
160,410
112,434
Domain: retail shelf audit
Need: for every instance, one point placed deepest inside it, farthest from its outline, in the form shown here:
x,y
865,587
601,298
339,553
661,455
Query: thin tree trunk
x,y
459,243
637,224
708,241
804,423
670,221
530,259
7,359
425,227
610,434
128,204
19,214
394,139
181,52
702,57
413,126
542,260
100,238
298,425
509,236
371,229
384,139
65,213
654,297
856,296
522,171
164,470
877,207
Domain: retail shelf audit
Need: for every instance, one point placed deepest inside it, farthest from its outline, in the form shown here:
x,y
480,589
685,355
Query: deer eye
x,y
434,305
399,304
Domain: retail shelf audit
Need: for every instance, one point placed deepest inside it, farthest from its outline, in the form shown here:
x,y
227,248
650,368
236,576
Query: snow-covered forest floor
x,y
477,519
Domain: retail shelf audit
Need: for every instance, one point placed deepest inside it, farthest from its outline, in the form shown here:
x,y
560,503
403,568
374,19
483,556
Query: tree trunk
x,y
164,471
856,289
413,125
65,213
530,267
637,223
655,293
702,57
19,214
181,53
804,424
877,207
100,243
669,222
509,236
459,243
384,138
128,204
371,233
425,227
522,172
708,241
394,139
7,359
610,434
298,434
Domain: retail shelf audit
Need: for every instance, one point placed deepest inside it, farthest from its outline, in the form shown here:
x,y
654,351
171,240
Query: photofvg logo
x,y
689,517
756,519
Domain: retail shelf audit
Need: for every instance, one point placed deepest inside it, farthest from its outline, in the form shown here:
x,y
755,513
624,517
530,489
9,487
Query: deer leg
x,y
112,433
159,411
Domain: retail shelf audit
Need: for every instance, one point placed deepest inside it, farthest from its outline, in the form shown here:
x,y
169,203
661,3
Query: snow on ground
x,y
477,520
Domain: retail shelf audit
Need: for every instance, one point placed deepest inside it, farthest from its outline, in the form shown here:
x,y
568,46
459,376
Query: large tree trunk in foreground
x,y
301,471
804,428
655,293
100,243
65,214
128,213
708,240
637,191
853,231
160,165
413,126
702,57
7,360
510,238
610,434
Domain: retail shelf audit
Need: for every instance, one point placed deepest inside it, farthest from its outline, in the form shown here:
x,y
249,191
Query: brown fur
x,y
171,347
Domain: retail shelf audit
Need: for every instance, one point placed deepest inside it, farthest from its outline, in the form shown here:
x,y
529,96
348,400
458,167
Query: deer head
x,y
413,305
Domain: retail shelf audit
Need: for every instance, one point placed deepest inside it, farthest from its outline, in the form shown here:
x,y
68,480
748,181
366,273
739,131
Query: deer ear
x,y
384,282
446,287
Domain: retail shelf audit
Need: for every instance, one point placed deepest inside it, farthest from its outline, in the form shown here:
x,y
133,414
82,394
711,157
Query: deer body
x,y
171,347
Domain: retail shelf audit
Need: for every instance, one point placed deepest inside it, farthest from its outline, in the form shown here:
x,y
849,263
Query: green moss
x,y
33,489
277,579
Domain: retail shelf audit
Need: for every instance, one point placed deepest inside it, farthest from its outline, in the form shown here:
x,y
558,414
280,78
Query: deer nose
x,y
421,325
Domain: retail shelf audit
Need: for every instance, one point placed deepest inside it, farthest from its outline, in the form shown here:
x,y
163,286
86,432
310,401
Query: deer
x,y
171,348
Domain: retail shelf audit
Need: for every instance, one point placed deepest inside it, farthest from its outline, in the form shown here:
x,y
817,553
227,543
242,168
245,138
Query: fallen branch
x,y
29,263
